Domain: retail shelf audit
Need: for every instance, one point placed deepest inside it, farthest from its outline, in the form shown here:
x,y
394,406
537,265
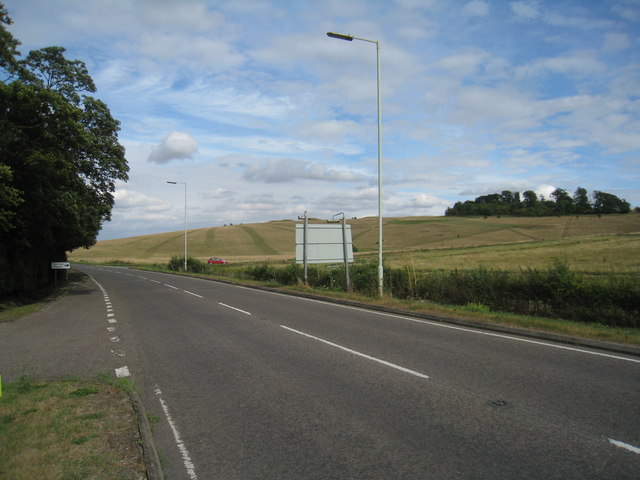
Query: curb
x,y
149,452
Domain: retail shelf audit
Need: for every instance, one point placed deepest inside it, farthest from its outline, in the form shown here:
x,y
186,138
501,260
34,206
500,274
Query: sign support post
x,y
304,246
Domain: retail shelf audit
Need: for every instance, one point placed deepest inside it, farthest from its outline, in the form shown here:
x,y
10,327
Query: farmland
x,y
590,244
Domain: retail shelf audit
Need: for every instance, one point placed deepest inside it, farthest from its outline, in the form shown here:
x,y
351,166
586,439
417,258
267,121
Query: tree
x,y
564,202
59,161
581,201
529,199
8,44
604,202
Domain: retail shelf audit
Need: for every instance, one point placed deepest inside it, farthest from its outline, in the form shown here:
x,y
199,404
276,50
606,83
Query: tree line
x,y
59,160
529,204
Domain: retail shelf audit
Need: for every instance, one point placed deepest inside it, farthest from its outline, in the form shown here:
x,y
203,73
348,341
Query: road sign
x,y
60,265
324,243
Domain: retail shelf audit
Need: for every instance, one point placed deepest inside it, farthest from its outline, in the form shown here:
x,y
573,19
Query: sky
x,y
263,116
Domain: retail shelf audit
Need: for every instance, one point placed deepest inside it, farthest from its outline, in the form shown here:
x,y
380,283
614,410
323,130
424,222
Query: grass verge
x,y
68,429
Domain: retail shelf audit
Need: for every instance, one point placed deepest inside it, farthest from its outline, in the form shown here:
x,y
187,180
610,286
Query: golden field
x,y
589,243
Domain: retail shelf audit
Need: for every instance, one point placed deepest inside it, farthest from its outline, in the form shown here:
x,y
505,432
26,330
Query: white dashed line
x,y
233,308
363,355
123,372
626,446
170,286
191,293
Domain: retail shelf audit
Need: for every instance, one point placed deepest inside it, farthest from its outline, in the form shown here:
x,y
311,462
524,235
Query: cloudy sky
x,y
265,117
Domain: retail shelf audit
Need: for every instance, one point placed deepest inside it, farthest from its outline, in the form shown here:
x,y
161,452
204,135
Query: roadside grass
x,y
68,429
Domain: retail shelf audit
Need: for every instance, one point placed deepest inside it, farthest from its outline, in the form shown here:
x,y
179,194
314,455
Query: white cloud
x,y
545,191
287,170
175,146
614,41
525,10
476,8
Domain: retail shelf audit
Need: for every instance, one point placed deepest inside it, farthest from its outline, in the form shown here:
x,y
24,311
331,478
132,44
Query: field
x,y
590,244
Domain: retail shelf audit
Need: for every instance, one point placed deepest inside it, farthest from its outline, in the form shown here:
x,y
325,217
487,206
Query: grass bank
x,y
68,430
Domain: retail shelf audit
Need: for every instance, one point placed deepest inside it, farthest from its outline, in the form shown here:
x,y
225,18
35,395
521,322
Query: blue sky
x,y
265,117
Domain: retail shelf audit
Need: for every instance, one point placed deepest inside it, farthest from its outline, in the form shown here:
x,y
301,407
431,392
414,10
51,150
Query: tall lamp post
x,y
350,38
185,220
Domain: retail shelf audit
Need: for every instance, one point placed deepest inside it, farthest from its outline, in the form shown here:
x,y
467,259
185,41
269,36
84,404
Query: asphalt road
x,y
249,384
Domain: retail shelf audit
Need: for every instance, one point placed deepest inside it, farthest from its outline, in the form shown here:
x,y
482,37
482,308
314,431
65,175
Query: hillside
x,y
417,240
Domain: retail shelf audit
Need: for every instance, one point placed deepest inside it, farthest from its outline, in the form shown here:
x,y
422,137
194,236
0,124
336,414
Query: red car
x,y
216,260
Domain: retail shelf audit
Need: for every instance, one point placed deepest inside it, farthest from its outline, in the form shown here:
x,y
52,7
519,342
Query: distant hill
x,y
275,240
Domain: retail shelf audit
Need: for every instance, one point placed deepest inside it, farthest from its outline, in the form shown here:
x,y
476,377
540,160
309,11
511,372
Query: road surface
x,y
249,384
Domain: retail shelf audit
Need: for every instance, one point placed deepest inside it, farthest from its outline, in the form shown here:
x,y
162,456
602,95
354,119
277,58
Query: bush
x,y
193,264
556,292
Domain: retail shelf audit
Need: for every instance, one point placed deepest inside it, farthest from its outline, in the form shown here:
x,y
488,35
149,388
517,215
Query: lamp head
x,y
341,36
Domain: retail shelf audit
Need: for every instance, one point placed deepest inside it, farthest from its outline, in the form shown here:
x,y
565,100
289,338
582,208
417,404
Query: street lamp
x,y
185,220
350,38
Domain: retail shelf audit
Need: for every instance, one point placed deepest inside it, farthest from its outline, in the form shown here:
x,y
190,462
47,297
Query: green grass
x,y
68,429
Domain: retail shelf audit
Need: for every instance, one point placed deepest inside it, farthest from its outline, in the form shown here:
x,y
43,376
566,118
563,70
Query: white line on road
x,y
234,308
476,331
626,446
186,458
123,372
112,320
191,293
154,281
170,286
354,352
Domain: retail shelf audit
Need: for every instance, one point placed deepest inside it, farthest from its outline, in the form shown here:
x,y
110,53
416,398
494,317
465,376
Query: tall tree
x,y
581,200
60,158
564,202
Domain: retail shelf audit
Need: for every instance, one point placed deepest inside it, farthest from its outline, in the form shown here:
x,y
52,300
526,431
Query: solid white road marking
x,y
626,446
186,458
233,308
360,354
123,372
112,320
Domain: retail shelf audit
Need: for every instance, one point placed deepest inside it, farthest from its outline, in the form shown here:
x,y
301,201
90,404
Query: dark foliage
x,y
59,160
529,205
